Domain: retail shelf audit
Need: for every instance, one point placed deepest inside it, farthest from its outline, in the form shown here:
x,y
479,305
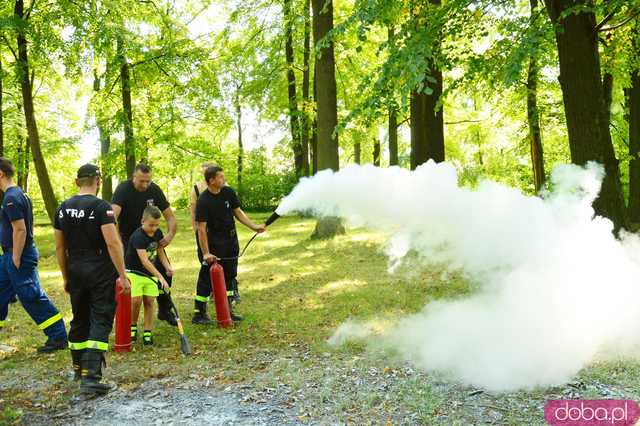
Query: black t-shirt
x,y
133,203
139,240
15,206
217,211
80,219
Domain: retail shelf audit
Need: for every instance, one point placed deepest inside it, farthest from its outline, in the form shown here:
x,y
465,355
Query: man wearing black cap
x,y
90,256
19,263
130,199
216,211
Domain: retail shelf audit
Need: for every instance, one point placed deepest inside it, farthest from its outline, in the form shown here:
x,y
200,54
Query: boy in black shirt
x,y
142,252
216,211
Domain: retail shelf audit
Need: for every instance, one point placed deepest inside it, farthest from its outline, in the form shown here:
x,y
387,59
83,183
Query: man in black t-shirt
x,y
216,211
90,257
198,188
129,200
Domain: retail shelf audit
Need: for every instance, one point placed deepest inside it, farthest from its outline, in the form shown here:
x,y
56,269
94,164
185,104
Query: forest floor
x,y
276,366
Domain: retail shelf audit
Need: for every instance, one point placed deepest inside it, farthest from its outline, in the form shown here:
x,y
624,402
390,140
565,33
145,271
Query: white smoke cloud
x,y
556,289
350,330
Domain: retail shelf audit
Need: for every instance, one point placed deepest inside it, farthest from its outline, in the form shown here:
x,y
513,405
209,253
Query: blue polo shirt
x,y
15,206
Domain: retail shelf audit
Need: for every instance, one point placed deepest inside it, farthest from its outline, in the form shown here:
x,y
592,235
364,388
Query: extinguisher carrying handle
x,y
205,263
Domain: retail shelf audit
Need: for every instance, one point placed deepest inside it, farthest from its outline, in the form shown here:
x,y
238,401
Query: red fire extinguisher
x,y
123,320
219,291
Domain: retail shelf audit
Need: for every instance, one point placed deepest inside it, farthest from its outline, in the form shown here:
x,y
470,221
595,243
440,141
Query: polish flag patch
x,y
109,212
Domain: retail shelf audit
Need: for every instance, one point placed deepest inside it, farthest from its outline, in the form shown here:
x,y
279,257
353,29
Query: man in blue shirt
x,y
19,261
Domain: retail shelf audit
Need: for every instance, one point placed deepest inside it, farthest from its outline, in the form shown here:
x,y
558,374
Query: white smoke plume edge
x,y
556,288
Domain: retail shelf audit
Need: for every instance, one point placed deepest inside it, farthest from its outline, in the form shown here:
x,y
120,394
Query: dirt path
x,y
164,402
302,388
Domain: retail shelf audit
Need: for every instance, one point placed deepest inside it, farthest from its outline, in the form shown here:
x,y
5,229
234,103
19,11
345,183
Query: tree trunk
x,y
581,83
296,137
434,117
314,145
533,116
240,147
326,84
633,100
327,116
48,195
127,116
418,137
105,144
607,90
427,122
393,138
19,160
393,121
314,125
357,153
376,152
26,165
427,119
306,73
143,151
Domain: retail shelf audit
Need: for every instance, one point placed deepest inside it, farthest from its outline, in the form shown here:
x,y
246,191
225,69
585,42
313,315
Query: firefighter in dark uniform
x,y
19,263
129,200
90,256
198,188
215,212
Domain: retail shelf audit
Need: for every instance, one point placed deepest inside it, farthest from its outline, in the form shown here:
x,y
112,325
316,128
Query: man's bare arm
x,y
204,242
172,223
61,257
114,247
117,209
244,219
19,239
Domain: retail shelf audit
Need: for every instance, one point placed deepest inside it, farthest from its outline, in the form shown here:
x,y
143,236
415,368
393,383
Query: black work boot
x,y
234,316
200,314
164,310
52,345
134,332
76,360
236,292
92,374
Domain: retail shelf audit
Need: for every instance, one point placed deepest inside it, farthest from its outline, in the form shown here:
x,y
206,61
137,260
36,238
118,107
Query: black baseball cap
x,y
88,170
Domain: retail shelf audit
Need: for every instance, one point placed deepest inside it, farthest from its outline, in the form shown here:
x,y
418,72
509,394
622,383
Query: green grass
x,y
295,293
9,416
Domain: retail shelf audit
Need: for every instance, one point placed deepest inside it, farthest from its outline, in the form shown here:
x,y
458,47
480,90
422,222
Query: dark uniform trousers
x,y
25,283
220,245
92,278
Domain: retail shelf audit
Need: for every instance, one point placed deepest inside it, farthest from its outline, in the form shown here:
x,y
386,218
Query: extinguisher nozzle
x,y
274,216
